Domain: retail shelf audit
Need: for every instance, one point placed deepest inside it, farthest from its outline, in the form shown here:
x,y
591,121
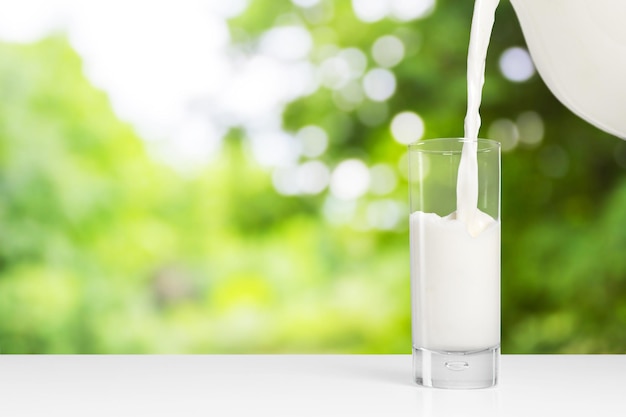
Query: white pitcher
x,y
579,49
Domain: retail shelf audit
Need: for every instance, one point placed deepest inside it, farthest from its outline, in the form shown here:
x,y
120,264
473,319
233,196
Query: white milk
x,y
455,260
456,287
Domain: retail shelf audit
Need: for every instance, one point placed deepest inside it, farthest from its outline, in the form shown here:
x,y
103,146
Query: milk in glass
x,y
455,260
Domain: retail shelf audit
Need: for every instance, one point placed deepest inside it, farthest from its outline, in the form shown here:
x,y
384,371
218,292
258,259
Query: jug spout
x,y
579,49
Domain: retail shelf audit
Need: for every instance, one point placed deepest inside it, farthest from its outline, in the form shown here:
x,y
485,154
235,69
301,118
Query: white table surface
x,y
301,385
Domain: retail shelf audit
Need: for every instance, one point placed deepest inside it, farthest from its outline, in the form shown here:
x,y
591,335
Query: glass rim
x,y
423,145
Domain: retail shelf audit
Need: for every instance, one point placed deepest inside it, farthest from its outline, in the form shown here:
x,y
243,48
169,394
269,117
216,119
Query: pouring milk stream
x,y
467,182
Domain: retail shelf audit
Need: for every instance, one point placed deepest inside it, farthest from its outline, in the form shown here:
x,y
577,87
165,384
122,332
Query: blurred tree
x,y
103,249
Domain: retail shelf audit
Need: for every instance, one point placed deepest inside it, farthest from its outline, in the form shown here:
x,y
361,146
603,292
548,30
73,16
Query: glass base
x,y
460,370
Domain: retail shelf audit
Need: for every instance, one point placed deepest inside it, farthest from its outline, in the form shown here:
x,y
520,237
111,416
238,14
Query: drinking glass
x,y
455,264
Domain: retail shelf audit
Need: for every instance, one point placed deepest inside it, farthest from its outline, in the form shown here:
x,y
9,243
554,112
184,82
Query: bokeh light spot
x,y
504,131
406,10
312,177
370,11
379,84
531,128
350,179
356,59
407,127
313,141
388,51
335,72
516,64
350,96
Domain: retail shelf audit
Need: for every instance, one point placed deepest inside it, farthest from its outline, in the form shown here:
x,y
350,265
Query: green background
x,y
104,250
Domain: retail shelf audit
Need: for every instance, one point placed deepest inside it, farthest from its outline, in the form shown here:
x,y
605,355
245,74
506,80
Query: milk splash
x,y
467,180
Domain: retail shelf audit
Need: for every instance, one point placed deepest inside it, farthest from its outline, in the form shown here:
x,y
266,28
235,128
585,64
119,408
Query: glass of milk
x,y
455,262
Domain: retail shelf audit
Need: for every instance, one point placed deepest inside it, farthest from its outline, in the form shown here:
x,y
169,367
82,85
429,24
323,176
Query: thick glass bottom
x,y
460,370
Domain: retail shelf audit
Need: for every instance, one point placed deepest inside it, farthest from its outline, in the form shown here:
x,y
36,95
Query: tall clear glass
x,y
455,267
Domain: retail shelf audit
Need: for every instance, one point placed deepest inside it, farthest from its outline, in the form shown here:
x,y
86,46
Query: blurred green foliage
x,y
103,249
